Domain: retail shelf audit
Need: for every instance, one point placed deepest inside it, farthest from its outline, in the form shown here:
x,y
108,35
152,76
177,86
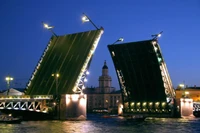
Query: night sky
x,y
23,37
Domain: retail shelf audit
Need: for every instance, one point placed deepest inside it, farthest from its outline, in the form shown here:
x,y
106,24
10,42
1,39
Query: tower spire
x,y
105,66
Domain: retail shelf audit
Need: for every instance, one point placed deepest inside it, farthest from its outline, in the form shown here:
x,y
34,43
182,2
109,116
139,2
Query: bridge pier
x,y
186,107
72,107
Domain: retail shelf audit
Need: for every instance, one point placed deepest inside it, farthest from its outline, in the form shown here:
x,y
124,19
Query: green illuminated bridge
x,y
61,70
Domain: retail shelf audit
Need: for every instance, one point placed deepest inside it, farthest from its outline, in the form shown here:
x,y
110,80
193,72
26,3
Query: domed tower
x,y
105,80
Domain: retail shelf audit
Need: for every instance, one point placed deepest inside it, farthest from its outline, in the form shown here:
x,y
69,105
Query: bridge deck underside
x,y
64,55
138,64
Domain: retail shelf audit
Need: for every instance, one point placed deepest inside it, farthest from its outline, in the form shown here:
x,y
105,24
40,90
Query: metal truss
x,y
196,106
79,85
169,91
25,105
35,103
122,85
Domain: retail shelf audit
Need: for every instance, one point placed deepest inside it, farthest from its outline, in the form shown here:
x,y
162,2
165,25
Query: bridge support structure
x,y
72,107
186,107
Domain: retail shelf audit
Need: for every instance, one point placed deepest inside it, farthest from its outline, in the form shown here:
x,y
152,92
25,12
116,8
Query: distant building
x,y
189,92
103,98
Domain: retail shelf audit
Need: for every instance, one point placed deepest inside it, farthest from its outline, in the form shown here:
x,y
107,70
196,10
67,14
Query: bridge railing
x,y
36,103
25,97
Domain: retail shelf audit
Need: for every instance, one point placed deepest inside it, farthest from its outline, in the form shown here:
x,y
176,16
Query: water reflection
x,y
97,124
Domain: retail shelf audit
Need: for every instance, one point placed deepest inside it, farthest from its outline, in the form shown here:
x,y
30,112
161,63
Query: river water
x,y
98,124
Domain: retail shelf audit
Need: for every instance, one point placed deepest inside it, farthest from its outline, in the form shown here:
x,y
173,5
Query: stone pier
x,y
186,107
72,107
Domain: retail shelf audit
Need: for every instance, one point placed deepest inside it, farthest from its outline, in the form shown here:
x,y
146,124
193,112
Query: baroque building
x,y
103,98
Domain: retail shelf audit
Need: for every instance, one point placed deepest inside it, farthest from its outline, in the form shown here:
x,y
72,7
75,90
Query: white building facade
x,y
104,98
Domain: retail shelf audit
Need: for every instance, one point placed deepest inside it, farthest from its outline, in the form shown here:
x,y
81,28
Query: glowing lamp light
x,y
121,39
85,18
85,80
49,28
9,78
45,25
157,103
156,36
87,72
144,104
56,75
83,87
181,85
187,93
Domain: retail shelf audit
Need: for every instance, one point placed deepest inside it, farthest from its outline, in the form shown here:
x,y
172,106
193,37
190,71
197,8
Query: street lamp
x,y
49,28
8,80
121,39
56,75
85,18
156,36
183,88
187,94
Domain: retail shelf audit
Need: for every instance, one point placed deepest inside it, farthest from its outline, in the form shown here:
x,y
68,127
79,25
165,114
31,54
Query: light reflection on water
x,y
97,124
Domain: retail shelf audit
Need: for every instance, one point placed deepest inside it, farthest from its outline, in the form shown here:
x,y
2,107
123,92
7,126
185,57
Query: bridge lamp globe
x,y
187,93
87,72
85,80
85,19
181,85
159,35
46,25
83,87
57,75
121,39
8,79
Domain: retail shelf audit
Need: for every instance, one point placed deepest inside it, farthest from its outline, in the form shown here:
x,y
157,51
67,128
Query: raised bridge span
x,y
61,70
143,78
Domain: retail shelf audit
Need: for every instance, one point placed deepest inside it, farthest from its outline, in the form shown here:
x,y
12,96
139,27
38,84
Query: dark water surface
x,y
97,124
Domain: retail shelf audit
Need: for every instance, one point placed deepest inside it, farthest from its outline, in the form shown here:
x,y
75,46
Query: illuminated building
x,y
189,92
103,98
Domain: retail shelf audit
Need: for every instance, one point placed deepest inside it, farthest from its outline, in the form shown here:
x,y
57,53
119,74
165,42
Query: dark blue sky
x,y
23,37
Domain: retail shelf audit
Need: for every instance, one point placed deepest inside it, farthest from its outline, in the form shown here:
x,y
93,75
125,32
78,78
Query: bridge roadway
x,y
36,103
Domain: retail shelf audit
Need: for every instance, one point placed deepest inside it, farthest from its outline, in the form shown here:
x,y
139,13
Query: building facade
x,y
104,98
189,92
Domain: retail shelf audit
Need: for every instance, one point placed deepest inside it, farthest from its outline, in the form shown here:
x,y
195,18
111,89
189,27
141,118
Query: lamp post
x,y
183,88
56,75
85,18
49,28
8,80
156,36
121,39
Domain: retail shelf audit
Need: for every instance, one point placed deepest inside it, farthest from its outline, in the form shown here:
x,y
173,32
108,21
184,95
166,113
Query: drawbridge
x,y
63,66
61,70
143,78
